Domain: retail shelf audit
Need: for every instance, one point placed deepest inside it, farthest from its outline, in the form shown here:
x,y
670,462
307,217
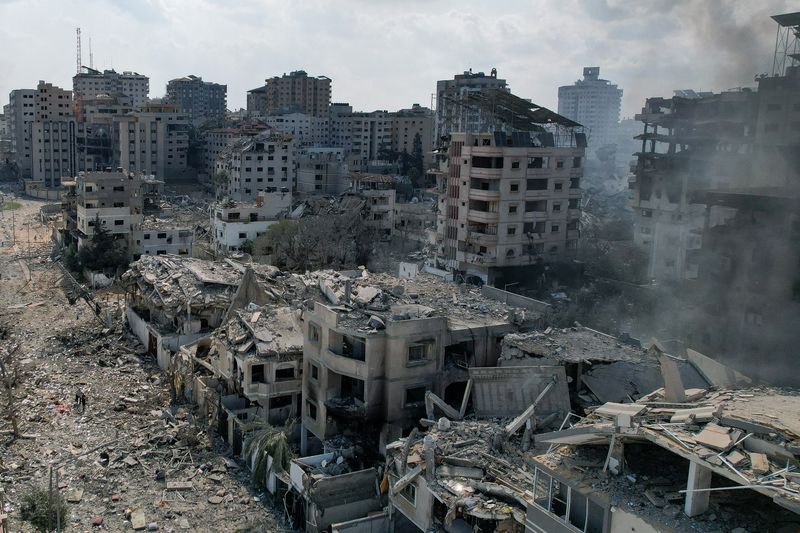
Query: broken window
x,y
415,396
284,374
354,348
534,227
537,184
314,371
311,410
352,388
278,402
514,187
420,351
257,374
560,163
536,206
515,164
410,494
574,183
313,333
538,162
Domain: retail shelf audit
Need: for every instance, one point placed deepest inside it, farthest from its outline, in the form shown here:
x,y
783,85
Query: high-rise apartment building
x,y
53,134
595,103
407,124
91,83
307,130
19,113
257,101
296,92
453,111
258,163
154,140
508,200
201,101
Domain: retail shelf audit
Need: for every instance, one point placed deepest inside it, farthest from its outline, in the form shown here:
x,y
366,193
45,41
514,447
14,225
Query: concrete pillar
x,y
699,478
303,441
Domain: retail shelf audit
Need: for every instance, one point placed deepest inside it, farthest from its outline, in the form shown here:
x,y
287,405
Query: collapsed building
x,y
382,343
173,300
623,467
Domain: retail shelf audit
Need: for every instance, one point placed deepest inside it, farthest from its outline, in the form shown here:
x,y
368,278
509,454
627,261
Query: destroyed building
x,y
648,466
373,352
234,223
252,164
601,368
173,300
249,369
379,194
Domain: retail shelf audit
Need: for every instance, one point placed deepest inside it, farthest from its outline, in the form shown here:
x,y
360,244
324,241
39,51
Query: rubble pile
x,y
751,437
364,295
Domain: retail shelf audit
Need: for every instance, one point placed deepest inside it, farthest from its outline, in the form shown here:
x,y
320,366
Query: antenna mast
x,y
78,30
91,56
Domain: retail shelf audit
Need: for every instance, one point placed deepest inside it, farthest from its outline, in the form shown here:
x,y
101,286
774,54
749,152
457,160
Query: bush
x,y
34,509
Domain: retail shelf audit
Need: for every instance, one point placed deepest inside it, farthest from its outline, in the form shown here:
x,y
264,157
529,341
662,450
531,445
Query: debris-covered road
x,y
131,461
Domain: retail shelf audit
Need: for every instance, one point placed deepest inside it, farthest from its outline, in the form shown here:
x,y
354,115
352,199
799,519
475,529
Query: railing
x,y
276,388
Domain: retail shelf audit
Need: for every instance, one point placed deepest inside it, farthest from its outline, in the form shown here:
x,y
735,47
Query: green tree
x,y
264,442
103,252
36,508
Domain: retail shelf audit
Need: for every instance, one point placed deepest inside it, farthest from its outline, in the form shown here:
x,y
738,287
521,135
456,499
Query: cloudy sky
x,y
388,54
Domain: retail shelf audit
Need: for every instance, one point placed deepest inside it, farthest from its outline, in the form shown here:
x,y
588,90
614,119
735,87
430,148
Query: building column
x,y
699,478
303,440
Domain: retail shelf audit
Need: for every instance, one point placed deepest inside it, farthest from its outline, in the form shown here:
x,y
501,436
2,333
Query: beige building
x,y
322,171
369,373
295,92
92,83
255,164
379,194
307,130
407,124
503,206
454,113
153,141
215,141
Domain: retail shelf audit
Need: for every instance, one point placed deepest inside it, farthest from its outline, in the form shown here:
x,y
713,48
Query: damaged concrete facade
x,y
372,355
234,223
256,163
508,201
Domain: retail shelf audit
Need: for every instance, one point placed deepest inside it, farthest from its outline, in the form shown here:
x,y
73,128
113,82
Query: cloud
x,y
388,54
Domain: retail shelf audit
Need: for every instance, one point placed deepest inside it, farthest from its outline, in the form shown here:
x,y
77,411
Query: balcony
x,y
487,217
482,194
480,259
277,388
342,364
486,173
346,408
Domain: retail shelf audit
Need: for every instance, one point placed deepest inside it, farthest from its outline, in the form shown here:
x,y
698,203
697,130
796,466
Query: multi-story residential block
x,y
153,140
257,163
114,200
295,92
369,374
92,83
215,141
307,130
379,192
508,201
257,102
157,237
20,114
595,103
234,223
688,144
201,101
53,136
454,113
407,124
322,171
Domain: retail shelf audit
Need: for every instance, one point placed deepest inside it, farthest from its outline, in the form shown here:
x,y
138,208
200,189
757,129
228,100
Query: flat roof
x,y
788,19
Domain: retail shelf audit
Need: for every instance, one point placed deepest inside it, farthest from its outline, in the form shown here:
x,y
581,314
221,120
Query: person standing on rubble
x,y
80,400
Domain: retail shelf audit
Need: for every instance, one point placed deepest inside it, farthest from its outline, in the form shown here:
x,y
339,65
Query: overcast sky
x,y
388,54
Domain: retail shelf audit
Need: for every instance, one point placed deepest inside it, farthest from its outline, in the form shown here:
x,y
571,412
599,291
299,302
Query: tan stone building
x,y
296,92
508,204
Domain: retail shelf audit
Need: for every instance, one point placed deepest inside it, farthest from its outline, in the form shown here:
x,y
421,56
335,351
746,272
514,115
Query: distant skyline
x,y
384,54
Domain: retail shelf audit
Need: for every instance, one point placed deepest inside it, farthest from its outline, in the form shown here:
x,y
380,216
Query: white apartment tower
x,y
595,103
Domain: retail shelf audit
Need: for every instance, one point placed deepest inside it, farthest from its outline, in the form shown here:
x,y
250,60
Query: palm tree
x,y
264,441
